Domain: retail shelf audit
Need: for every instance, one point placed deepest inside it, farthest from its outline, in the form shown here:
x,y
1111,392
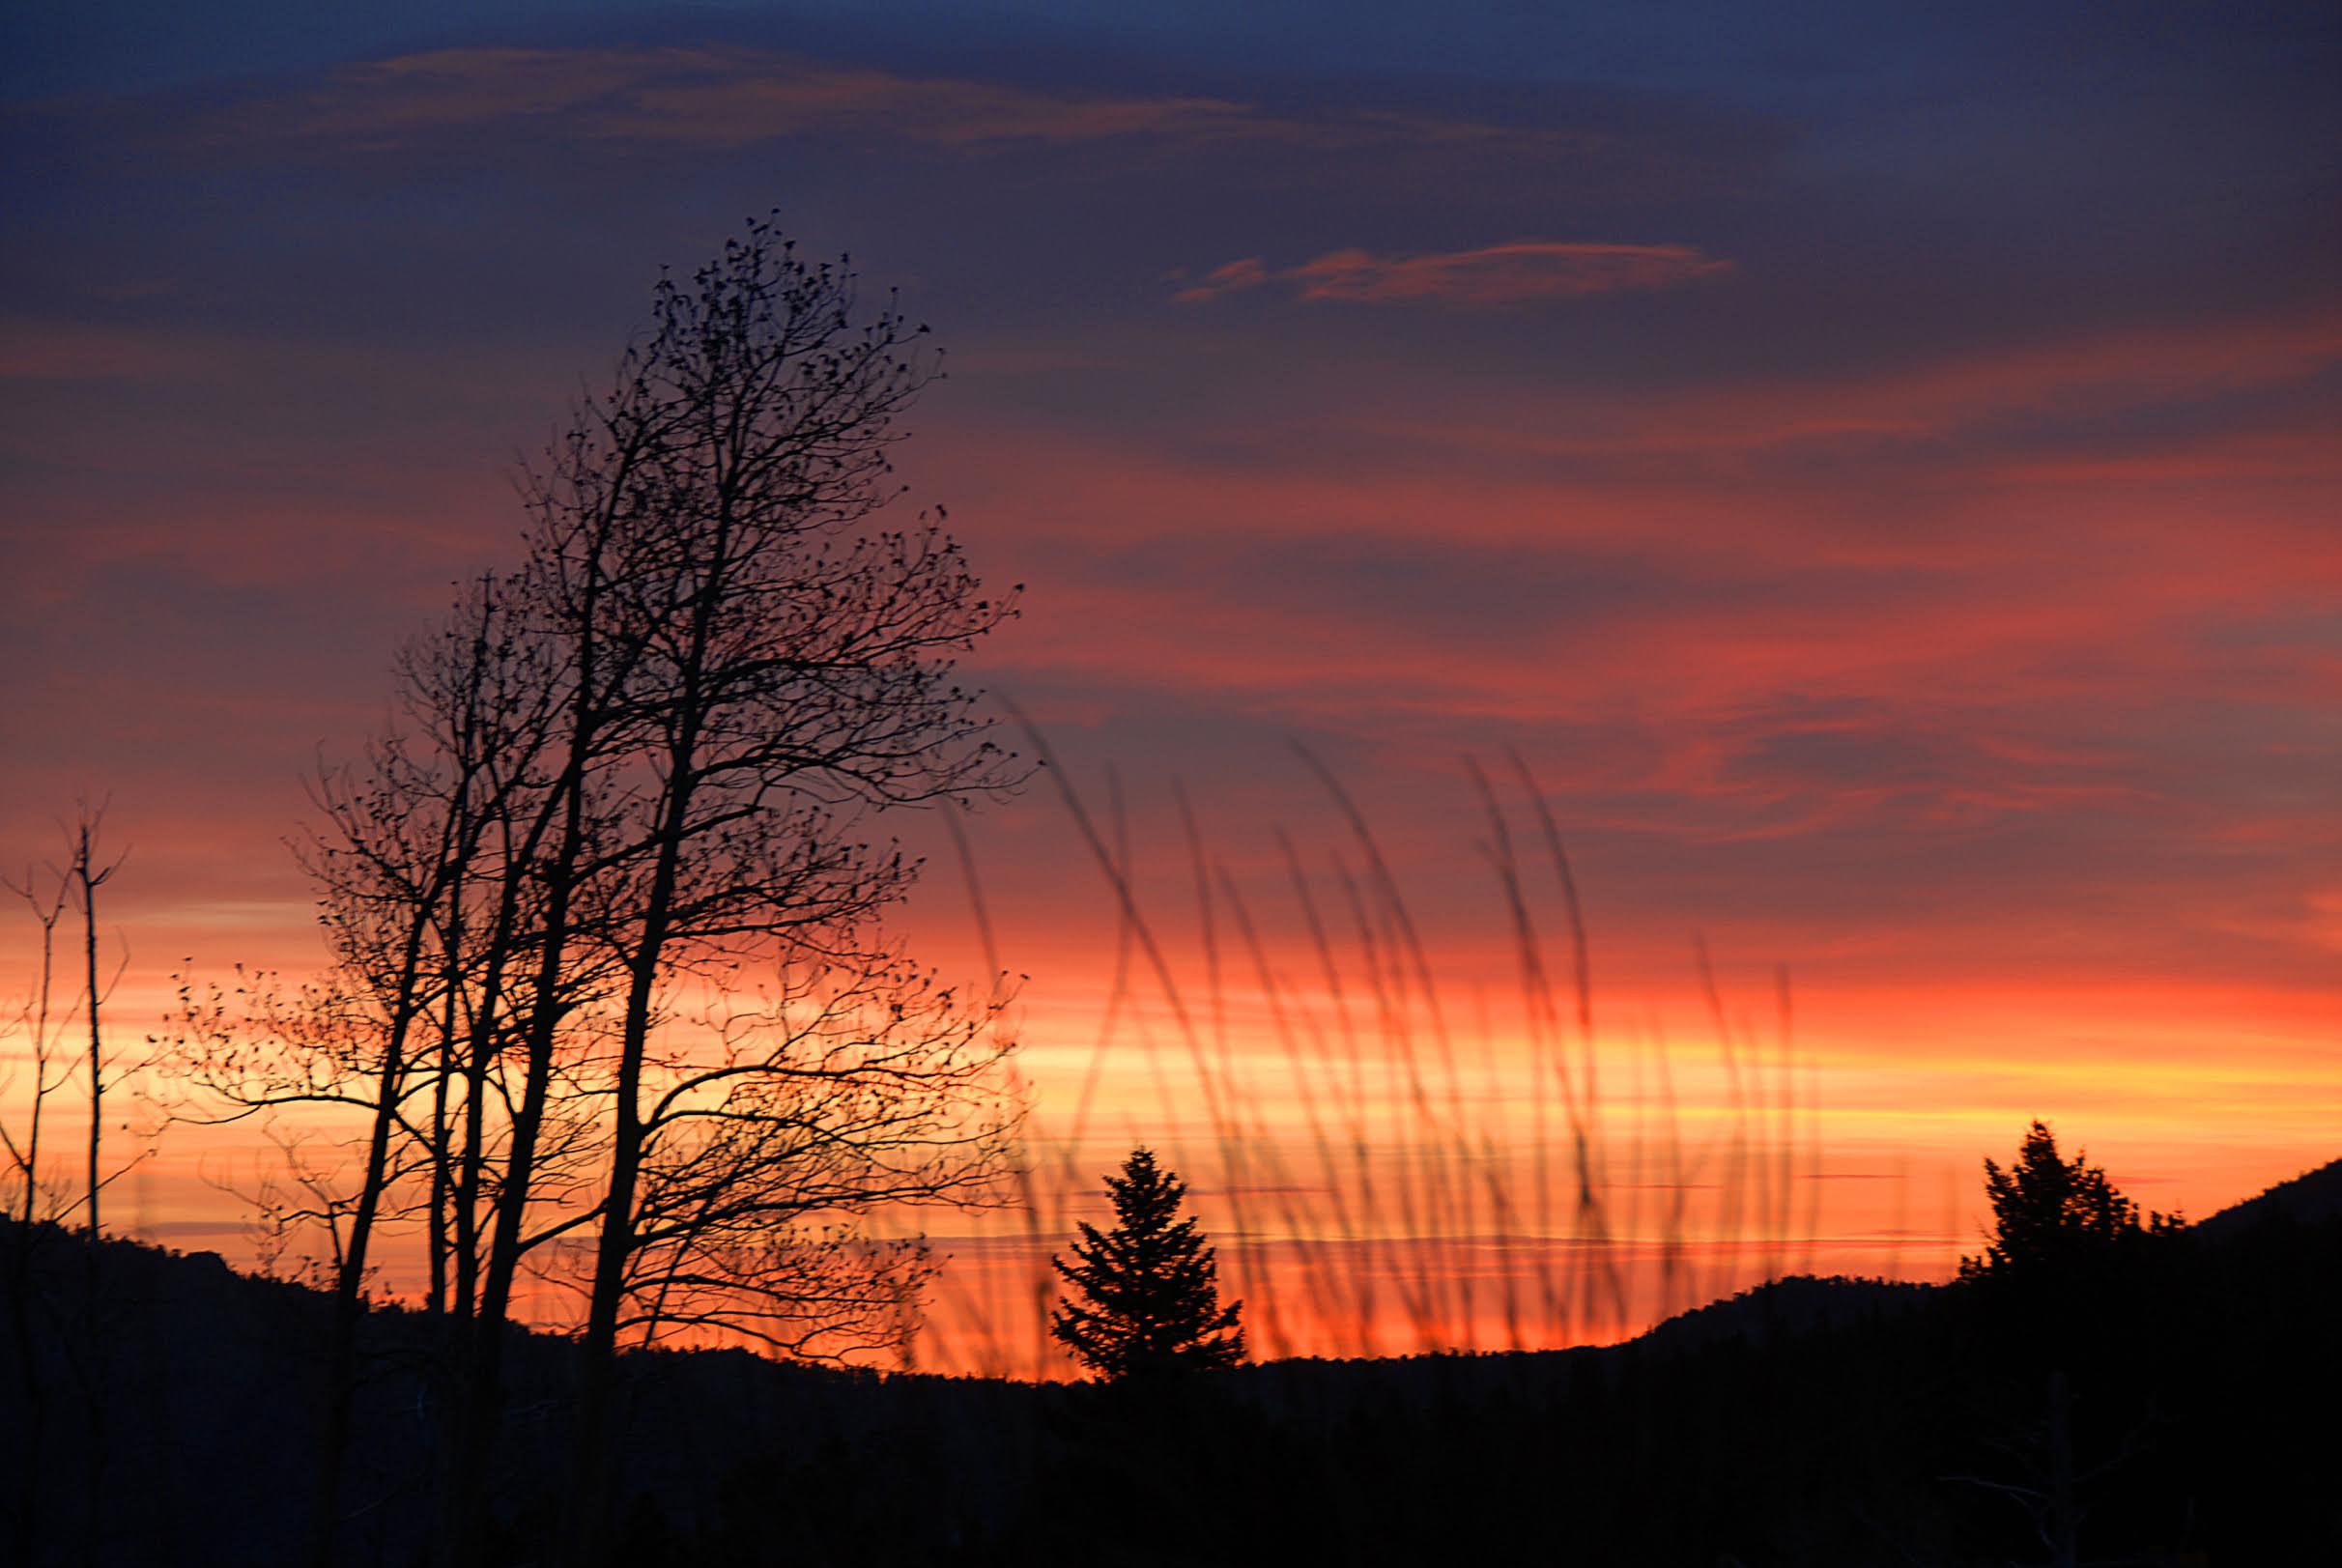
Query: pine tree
x,y
2050,1212
1149,1287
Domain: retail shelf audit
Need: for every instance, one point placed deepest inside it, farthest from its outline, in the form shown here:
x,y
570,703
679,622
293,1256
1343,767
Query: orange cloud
x,y
1505,274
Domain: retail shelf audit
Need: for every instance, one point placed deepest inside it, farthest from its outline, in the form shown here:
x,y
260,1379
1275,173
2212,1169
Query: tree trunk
x,y
89,879
598,1372
479,1374
93,1478
349,1285
2065,1499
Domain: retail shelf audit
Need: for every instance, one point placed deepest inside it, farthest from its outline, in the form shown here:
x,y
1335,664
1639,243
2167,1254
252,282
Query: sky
x,y
1876,466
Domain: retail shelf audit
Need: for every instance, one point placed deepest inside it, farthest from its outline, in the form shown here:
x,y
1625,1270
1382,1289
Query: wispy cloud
x,y
1507,274
33,348
2057,404
735,96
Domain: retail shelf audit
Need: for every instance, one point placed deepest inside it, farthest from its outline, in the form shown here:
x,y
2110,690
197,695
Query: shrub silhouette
x,y
1149,1288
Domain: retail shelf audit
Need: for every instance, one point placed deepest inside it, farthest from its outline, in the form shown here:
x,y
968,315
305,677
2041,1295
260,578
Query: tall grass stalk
x,y
1375,1182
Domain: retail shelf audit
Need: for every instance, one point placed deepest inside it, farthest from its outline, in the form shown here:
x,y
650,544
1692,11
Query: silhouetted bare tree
x,y
89,876
38,1022
785,671
76,1322
44,899
611,991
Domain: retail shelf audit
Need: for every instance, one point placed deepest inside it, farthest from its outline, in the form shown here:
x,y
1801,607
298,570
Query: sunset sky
x,y
1881,472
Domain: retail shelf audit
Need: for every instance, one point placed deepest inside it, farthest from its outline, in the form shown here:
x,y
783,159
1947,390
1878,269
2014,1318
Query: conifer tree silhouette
x,y
2049,1211
1150,1286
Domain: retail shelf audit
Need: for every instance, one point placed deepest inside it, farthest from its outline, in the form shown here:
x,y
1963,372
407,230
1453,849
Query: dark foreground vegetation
x,y
2170,1402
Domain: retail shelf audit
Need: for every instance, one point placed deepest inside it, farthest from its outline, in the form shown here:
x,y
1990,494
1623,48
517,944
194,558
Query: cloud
x,y
2066,378
737,97
2211,402
1228,278
1493,276
722,97
61,351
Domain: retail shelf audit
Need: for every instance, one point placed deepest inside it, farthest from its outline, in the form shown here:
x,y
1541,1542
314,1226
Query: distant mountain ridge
x,y
1787,1307
2313,1196
1793,1422
1802,1303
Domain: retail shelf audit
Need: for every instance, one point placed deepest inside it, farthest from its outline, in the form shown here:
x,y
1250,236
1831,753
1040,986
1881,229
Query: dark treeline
x,y
2151,1408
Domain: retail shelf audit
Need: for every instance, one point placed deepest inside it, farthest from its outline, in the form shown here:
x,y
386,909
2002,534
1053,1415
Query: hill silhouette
x,y
1808,1421
2311,1198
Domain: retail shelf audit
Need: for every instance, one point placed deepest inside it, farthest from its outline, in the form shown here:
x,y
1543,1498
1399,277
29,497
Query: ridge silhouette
x,y
1810,1420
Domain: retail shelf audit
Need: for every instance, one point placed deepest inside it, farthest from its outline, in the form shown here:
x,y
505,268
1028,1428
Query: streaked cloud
x,y
1950,619
725,96
39,349
1493,276
2051,411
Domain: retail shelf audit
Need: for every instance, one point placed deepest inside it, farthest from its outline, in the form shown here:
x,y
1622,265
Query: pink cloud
x,y
1728,433
1507,274
1227,278
2112,371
